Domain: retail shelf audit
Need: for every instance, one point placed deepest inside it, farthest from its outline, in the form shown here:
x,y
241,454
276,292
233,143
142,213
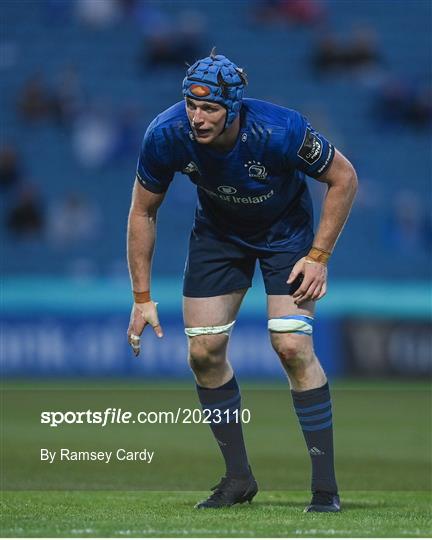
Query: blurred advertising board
x,y
388,346
64,327
96,345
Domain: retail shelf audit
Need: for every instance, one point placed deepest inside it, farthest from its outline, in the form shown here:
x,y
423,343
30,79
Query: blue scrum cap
x,y
215,78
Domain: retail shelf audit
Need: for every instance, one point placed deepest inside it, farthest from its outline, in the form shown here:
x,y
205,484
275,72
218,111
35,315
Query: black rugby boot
x,y
323,501
230,491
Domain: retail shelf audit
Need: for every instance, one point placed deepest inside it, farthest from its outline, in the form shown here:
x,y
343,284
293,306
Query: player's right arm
x,y
155,171
141,235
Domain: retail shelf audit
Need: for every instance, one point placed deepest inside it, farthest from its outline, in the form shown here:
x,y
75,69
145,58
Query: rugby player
x,y
248,159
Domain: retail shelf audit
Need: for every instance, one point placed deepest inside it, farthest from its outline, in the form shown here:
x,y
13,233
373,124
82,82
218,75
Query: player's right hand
x,y
141,316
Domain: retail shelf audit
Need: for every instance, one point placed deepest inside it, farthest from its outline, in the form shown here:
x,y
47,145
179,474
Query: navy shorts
x,y
217,266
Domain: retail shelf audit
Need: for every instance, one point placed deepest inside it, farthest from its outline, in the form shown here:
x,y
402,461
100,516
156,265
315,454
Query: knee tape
x,y
293,324
207,330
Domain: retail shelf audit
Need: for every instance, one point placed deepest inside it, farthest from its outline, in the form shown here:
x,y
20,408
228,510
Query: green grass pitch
x,y
134,514
383,449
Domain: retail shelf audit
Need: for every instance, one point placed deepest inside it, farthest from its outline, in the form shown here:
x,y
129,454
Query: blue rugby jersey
x,y
255,194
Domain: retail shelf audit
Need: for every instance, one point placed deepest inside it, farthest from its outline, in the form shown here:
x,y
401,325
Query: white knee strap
x,y
294,324
202,330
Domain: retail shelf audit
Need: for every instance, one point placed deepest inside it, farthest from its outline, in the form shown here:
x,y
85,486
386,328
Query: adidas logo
x,y
190,168
314,451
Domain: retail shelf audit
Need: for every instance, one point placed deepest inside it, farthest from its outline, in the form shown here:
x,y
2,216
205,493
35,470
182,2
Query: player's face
x,y
206,118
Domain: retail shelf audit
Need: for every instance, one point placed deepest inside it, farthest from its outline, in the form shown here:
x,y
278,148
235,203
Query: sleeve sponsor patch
x,y
328,160
311,148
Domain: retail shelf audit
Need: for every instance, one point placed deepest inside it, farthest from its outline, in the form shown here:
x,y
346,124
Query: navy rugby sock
x,y
228,434
313,408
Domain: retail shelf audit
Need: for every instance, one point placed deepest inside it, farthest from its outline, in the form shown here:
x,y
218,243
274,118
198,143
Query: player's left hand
x,y
314,284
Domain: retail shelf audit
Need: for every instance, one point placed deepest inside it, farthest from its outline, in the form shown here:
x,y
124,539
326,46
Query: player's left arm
x,y
341,180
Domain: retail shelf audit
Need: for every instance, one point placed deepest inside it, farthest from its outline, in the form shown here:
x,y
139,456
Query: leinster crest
x,y
256,170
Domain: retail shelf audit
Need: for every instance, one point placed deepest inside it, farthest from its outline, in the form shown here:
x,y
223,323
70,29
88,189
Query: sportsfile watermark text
x,y
112,415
